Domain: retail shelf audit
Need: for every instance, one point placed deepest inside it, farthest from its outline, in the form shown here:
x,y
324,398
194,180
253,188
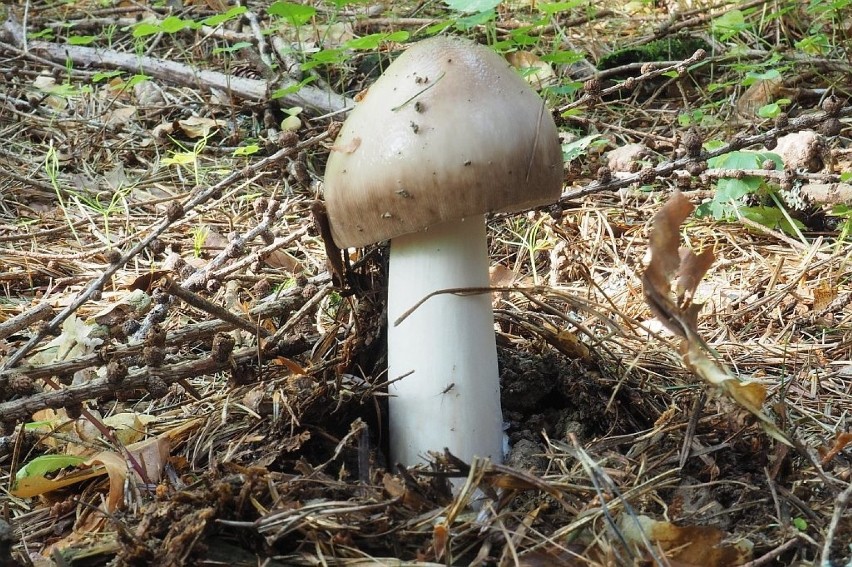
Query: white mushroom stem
x,y
451,398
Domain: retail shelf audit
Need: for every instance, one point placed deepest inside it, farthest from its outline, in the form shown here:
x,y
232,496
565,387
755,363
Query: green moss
x,y
666,49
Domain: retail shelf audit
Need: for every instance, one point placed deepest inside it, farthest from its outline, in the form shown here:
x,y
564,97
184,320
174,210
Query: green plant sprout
x,y
529,242
117,201
188,158
199,237
247,150
175,24
51,169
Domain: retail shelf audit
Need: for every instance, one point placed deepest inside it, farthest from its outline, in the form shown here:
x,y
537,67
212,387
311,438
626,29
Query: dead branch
x,y
323,102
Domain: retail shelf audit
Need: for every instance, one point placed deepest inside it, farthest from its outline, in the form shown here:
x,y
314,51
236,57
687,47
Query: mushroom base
x,y
450,395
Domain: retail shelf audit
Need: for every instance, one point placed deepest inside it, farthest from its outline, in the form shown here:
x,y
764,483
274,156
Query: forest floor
x,y
183,381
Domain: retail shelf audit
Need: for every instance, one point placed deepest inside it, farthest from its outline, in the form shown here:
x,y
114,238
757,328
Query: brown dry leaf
x,y
218,6
568,344
147,93
119,116
152,455
395,487
360,95
692,269
500,276
116,468
663,261
47,84
294,442
440,538
840,442
563,556
698,546
199,126
759,94
146,281
291,365
536,72
824,294
283,260
129,427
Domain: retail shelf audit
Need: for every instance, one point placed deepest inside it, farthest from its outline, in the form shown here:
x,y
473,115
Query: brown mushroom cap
x,y
450,130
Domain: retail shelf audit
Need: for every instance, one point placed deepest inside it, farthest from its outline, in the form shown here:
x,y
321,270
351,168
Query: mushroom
x,y
448,133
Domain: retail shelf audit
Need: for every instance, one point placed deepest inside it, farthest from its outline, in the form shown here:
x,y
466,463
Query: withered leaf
x,y
666,260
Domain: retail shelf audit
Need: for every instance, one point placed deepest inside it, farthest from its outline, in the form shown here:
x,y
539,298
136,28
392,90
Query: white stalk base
x,y
452,396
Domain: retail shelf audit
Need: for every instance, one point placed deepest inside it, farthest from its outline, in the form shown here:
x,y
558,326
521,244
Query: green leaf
x,y
104,75
841,211
712,145
173,24
800,524
325,57
572,111
567,57
472,6
734,189
136,79
297,14
744,159
398,36
46,33
292,89
577,148
222,18
82,39
846,176
231,48
438,27
145,29
373,41
247,150
521,38
46,464
769,110
551,8
767,75
729,24
466,23
771,217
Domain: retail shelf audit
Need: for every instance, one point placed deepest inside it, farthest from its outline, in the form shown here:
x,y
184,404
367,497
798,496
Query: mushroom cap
x,y
448,131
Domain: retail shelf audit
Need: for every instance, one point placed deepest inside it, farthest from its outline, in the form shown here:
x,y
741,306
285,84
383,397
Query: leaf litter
x,y
257,385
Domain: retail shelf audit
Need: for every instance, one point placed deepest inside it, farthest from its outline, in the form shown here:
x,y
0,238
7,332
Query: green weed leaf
x,y
769,110
246,150
374,40
82,39
227,16
577,148
551,8
297,14
472,6
44,464
145,29
729,24
173,24
104,76
466,23
292,89
563,57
